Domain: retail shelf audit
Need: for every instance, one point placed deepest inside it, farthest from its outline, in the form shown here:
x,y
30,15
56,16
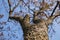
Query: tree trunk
x,y
36,32
39,29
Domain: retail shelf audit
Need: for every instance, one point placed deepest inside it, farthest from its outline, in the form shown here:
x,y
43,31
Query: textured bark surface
x,y
36,32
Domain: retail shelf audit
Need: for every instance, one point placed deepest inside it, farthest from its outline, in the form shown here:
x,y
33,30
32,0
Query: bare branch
x,y
17,18
51,18
9,4
55,8
16,5
42,14
26,20
11,10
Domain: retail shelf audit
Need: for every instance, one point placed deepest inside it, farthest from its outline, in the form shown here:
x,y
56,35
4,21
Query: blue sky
x,y
56,26
10,30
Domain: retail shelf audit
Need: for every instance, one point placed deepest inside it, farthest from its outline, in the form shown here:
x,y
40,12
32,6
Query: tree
x,y
38,30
